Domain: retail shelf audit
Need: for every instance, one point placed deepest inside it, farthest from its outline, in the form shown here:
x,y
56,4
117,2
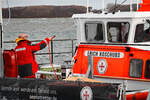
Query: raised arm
x,y
41,45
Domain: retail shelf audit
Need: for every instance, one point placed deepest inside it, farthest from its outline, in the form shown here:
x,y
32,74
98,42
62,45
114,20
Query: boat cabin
x,y
119,27
113,46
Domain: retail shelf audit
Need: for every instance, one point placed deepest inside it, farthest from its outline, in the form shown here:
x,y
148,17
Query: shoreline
x,y
43,11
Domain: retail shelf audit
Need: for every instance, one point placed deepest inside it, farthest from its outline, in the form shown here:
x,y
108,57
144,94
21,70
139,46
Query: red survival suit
x,y
27,65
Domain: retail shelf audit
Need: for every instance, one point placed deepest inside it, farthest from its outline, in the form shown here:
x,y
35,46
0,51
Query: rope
x,y
51,62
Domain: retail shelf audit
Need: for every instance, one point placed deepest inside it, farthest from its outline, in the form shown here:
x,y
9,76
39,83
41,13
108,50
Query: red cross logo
x,y
86,95
101,66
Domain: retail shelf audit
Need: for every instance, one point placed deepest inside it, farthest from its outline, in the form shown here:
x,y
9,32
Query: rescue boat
x,y
115,48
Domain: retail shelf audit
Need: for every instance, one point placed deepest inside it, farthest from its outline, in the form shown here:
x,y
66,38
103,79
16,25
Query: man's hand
x,y
50,38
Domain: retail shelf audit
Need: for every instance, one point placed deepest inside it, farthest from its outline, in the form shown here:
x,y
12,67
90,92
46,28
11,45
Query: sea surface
x,y
40,28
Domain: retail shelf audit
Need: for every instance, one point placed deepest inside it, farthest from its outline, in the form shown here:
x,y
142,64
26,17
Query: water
x,y
40,28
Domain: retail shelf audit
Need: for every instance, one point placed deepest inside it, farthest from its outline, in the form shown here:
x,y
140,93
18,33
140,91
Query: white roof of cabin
x,y
116,15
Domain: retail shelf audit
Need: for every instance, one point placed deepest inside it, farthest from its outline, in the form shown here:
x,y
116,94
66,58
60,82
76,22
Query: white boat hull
x,y
131,84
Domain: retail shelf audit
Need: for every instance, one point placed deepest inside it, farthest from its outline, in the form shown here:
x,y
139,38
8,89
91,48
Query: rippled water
x,y
39,28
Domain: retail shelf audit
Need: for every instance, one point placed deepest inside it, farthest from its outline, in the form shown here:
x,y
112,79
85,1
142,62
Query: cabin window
x,y
136,66
118,32
142,33
147,69
94,32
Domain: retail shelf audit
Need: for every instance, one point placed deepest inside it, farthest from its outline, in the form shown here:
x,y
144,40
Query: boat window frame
x,y
135,33
118,22
145,73
103,27
136,73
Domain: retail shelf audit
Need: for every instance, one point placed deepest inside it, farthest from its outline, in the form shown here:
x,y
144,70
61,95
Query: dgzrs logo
x,y
86,93
102,66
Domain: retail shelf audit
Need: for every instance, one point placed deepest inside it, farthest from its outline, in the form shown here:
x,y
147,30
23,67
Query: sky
x,y
96,4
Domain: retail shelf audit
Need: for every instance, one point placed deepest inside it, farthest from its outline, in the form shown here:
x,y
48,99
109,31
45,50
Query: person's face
x,y
25,37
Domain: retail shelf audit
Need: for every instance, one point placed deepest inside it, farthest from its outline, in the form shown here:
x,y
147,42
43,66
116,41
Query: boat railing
x,y
52,47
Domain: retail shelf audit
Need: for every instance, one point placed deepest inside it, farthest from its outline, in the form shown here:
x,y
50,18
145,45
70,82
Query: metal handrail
x,y
41,40
52,47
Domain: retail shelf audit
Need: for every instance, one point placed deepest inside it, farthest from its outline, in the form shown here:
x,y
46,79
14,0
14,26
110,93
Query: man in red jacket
x,y
27,65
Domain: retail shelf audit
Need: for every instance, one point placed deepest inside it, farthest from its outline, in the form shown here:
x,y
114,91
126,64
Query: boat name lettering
x,y
105,54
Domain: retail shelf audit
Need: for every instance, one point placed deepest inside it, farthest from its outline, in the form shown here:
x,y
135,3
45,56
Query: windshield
x,y
142,33
94,32
117,32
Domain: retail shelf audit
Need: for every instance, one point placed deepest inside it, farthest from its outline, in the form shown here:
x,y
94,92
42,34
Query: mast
x,y
1,42
103,5
131,8
137,5
87,6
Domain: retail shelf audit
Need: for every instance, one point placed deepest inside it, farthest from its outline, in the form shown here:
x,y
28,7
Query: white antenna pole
x,y
137,4
103,5
131,5
87,6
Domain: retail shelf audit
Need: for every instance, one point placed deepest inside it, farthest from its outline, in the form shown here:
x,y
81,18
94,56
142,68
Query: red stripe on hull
x,y
137,96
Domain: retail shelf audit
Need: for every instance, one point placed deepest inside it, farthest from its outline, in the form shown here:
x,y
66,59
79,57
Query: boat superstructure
x,y
111,24
114,47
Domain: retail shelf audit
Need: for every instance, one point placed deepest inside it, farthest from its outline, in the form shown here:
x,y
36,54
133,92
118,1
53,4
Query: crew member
x,y
27,65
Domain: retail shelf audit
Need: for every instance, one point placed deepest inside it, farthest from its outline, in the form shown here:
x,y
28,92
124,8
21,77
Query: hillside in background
x,y
43,11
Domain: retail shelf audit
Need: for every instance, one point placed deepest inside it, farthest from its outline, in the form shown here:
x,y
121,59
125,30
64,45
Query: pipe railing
x,y
52,47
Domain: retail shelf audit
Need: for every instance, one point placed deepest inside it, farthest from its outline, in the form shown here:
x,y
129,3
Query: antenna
x,y
131,8
115,5
87,6
103,6
137,4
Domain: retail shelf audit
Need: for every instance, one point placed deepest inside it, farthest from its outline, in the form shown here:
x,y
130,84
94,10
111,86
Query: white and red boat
x,y
115,48
112,48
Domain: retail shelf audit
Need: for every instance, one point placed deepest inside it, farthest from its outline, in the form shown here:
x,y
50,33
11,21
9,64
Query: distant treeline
x,y
43,11
57,11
